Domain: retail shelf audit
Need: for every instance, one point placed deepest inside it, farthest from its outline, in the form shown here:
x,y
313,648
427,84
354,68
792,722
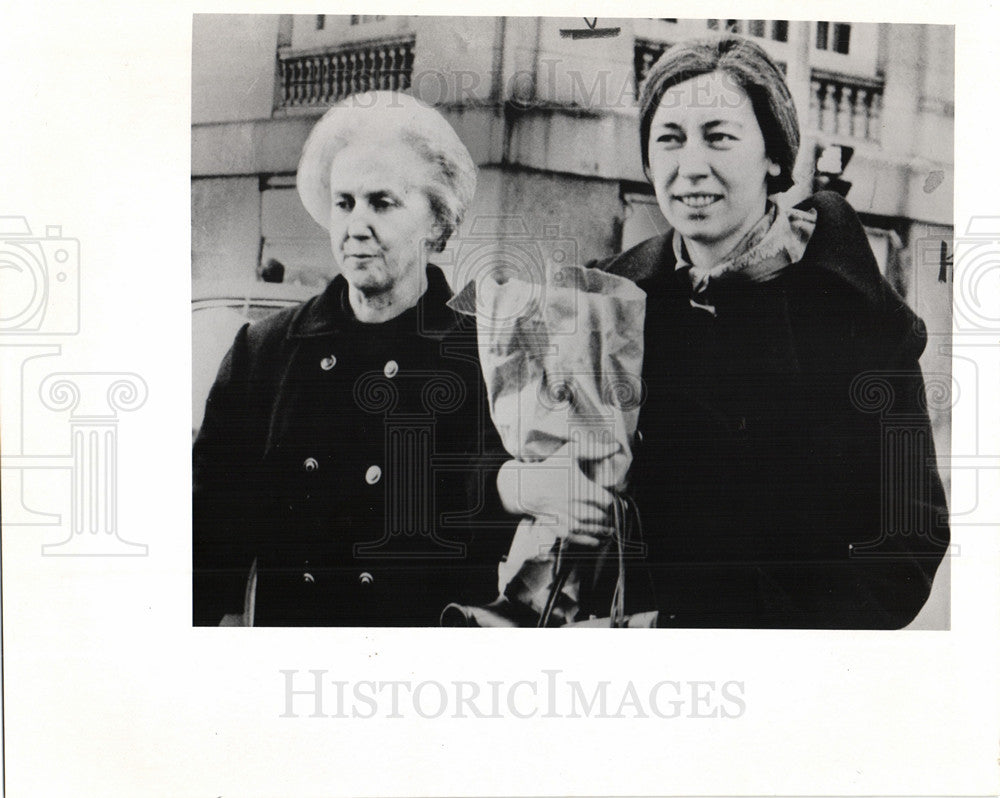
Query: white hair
x,y
390,117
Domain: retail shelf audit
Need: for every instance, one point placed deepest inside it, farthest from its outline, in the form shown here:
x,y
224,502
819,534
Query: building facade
x,y
548,109
550,117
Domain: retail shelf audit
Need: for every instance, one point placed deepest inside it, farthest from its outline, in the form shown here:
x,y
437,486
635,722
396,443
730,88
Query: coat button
x,y
308,578
310,464
365,578
391,369
373,475
328,362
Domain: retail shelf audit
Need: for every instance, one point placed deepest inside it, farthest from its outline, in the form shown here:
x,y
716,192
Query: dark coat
x,y
338,456
786,474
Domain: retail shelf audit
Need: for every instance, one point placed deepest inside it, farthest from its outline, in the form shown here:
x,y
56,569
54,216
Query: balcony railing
x,y
322,78
846,105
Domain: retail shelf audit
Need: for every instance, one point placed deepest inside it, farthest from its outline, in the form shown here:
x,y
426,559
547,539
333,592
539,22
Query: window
x,y
758,28
320,21
841,37
645,55
822,34
361,19
730,26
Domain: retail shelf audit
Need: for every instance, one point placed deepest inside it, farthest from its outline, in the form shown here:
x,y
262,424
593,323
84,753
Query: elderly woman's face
x,y
381,222
707,161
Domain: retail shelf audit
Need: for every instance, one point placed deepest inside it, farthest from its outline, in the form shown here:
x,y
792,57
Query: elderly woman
x,y
785,475
337,436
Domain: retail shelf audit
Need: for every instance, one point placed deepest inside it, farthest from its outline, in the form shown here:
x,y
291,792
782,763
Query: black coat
x,y
339,456
786,473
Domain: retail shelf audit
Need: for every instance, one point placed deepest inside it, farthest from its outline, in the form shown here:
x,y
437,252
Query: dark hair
x,y
754,71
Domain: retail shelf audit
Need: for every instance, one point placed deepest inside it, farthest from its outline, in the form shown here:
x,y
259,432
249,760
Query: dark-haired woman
x,y
786,475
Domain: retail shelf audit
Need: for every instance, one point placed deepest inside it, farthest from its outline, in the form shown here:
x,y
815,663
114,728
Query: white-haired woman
x,y
338,435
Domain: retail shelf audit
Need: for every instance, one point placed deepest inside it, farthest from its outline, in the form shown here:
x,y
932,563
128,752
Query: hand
x,y
557,488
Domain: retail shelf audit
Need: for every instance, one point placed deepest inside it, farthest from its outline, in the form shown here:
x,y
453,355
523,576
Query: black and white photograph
x,y
618,323
364,376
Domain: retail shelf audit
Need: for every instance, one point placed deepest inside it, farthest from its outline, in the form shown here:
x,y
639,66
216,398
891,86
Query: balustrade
x,y
318,79
845,106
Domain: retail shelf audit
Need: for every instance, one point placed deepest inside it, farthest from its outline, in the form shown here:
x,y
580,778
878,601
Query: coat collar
x,y
838,245
330,312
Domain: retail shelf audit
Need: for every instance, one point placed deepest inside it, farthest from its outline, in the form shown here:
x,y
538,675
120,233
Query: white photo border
x,y
108,690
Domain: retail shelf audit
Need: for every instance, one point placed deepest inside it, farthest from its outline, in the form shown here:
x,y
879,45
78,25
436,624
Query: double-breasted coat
x,y
339,458
786,473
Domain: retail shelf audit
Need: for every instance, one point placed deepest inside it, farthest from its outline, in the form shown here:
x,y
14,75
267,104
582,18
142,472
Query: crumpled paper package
x,y
561,355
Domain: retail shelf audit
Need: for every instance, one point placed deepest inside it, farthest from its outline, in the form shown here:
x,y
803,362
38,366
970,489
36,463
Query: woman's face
x,y
707,161
381,223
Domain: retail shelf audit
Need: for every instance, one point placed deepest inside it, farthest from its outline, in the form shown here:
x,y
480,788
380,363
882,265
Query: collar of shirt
x,y
777,241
